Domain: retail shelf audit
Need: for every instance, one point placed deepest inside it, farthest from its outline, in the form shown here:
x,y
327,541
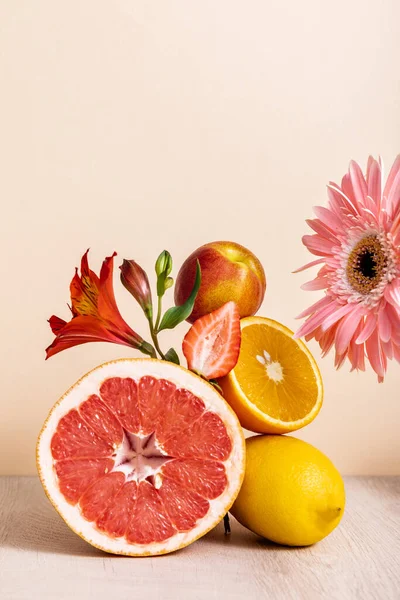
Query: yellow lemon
x,y
276,386
291,494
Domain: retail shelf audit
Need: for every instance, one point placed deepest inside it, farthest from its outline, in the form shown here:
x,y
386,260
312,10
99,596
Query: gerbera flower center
x,y
366,264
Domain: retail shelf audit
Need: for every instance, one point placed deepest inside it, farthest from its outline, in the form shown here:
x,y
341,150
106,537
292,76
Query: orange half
x,y
276,386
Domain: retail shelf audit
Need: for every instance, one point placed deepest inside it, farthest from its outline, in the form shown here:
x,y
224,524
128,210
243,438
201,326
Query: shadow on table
x,y
241,537
33,524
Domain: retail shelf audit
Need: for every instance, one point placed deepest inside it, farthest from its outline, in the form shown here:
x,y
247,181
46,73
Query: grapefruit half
x,y
141,457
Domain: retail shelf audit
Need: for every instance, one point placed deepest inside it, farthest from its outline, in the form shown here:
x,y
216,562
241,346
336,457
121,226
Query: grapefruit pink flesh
x,y
141,459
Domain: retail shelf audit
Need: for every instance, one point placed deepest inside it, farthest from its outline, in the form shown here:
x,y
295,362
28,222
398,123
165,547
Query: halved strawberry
x,y
212,344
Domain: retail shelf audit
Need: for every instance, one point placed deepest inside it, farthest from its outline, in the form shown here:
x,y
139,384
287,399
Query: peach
x,y
229,271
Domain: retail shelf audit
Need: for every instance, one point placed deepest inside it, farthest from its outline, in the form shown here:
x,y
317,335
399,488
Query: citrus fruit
x,y
291,494
141,457
211,346
276,386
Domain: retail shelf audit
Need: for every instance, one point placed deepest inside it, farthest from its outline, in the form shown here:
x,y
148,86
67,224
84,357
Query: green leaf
x,y
177,314
163,269
172,356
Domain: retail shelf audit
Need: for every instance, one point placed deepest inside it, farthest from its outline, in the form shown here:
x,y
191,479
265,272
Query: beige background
x,y
134,126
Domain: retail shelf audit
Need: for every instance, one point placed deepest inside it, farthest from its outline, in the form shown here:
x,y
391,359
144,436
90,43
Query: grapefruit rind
x,y
135,368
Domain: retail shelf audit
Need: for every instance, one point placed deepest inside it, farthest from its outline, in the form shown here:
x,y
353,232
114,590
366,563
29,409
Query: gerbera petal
x,y
392,176
315,320
392,293
375,355
384,325
393,198
346,329
339,360
317,245
328,218
374,180
368,329
339,200
315,307
356,352
319,283
327,339
309,265
387,348
321,229
396,353
337,315
358,182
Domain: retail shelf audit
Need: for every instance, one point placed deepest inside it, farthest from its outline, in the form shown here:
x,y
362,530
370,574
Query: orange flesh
x,y
294,396
142,459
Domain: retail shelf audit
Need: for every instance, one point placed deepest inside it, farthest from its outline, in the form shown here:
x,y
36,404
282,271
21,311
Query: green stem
x,y
153,333
158,313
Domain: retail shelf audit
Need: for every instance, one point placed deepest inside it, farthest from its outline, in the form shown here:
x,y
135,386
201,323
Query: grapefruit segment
x,y
120,395
206,438
141,457
116,517
150,522
99,495
76,475
180,410
206,477
152,396
183,506
101,420
75,439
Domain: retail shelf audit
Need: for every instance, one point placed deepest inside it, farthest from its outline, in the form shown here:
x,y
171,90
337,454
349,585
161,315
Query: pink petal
x,y
319,283
328,218
374,353
356,353
358,182
387,349
310,264
315,307
396,353
393,199
346,330
374,180
339,200
327,340
339,360
317,245
337,315
392,176
384,325
368,329
315,321
392,293
321,229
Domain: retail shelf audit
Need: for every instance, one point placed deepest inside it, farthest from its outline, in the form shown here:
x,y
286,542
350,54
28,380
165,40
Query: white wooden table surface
x,y
40,558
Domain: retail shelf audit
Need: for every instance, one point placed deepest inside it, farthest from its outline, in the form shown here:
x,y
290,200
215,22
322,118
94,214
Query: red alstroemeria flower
x,y
95,315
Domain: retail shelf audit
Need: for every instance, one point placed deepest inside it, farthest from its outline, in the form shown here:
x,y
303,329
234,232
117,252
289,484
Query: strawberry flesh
x,y
211,346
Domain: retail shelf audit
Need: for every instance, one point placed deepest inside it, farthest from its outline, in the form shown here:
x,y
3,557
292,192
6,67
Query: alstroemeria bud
x,y
135,280
164,264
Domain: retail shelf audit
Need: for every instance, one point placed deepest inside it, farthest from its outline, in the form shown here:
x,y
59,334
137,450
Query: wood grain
x,y
40,558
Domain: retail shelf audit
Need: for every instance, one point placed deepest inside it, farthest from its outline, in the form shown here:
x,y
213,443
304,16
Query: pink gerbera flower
x,y
358,240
